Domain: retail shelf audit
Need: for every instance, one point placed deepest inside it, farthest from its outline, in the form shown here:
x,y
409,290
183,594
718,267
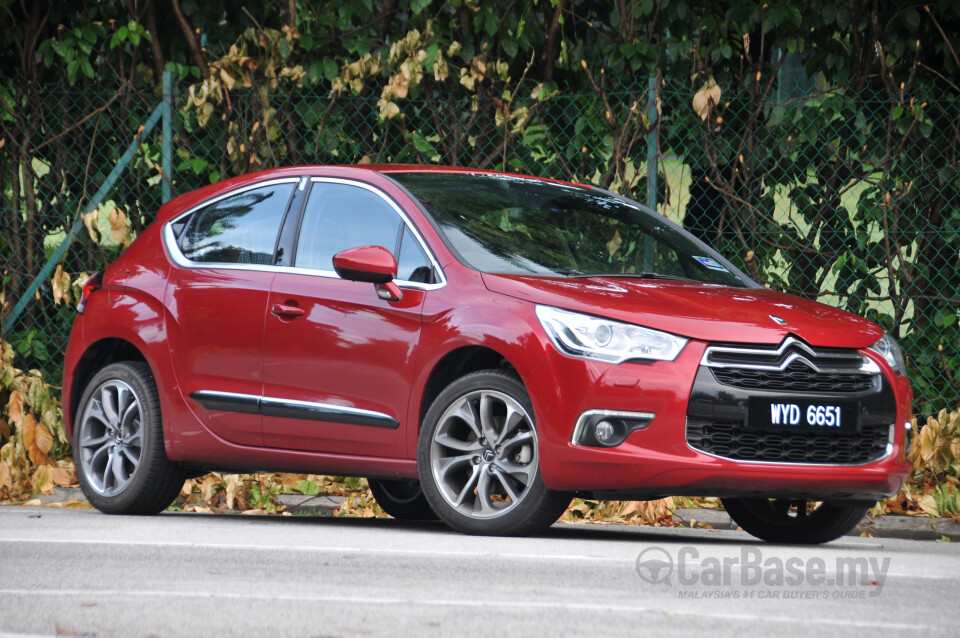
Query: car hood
x,y
698,311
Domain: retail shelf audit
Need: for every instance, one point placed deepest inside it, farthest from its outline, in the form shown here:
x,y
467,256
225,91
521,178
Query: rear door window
x,y
239,229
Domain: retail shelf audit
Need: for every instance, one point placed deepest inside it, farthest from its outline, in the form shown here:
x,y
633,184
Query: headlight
x,y
888,348
605,340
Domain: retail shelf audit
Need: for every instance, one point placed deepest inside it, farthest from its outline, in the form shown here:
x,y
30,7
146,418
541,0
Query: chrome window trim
x,y
617,414
867,364
888,451
169,241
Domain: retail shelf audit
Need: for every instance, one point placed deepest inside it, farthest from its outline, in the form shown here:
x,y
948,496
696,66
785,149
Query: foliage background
x,y
814,142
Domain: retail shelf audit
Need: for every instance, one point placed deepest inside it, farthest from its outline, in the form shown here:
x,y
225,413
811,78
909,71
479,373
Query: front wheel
x,y
478,459
118,447
794,521
402,499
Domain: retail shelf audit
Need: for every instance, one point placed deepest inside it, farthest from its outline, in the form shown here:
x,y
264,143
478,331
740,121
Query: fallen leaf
x,y
6,478
61,477
42,479
929,505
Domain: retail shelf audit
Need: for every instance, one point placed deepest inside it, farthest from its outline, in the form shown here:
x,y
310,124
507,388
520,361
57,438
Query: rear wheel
x,y
118,448
402,499
478,458
794,521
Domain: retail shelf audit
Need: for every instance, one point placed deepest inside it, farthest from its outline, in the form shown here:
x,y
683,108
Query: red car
x,y
481,347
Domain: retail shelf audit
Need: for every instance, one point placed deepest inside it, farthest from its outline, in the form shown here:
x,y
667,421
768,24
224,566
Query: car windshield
x,y
512,225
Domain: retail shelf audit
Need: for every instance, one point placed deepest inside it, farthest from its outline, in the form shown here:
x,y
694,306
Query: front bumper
x,y
658,461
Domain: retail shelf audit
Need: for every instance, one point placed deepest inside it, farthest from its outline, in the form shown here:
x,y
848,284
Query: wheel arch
x,y
101,353
455,364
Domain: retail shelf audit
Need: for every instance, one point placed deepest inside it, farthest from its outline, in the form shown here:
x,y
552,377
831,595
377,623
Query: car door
x,y
339,360
217,294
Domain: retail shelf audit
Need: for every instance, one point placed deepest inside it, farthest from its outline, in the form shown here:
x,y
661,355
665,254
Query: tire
x,y
478,461
118,447
794,521
403,500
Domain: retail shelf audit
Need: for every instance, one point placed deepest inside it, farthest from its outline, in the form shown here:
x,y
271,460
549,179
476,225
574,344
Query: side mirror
x,y
374,264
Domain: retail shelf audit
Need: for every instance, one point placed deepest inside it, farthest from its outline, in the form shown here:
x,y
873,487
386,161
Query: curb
x,y
915,528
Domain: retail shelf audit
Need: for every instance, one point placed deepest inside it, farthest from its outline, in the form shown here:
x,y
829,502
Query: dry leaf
x,y
61,477
119,230
37,440
15,407
6,478
929,505
706,98
43,479
614,244
92,225
61,286
209,486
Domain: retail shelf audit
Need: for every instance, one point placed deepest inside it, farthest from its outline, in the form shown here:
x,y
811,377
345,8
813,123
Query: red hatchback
x,y
481,347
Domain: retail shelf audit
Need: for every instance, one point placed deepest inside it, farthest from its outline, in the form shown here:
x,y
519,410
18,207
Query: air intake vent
x,y
729,439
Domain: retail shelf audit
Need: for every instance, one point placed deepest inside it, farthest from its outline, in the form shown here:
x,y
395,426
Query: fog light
x,y
608,428
604,431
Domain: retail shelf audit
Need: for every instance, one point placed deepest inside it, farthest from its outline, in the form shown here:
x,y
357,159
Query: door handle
x,y
286,311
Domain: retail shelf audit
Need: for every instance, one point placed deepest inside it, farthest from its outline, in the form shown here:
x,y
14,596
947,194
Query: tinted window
x,y
525,226
237,230
338,217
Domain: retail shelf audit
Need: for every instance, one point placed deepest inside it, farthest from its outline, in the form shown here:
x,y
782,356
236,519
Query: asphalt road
x,y
79,572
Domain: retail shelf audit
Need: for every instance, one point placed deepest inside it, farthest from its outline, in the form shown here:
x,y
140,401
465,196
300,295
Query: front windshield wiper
x,y
631,275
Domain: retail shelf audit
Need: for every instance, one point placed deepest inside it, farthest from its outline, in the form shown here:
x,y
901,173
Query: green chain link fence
x,y
850,197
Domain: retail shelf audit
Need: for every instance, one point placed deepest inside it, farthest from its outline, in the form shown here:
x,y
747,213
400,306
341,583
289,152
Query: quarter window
x,y
241,229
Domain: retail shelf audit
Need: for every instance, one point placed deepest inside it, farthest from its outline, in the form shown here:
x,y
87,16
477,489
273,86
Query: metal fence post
x,y
72,232
167,137
653,147
653,144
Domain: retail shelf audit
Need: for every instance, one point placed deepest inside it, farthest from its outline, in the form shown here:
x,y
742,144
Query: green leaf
x,y
912,18
330,69
86,68
422,145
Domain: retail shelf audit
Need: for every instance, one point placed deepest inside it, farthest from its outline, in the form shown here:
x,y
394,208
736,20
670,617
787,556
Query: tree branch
x,y
191,39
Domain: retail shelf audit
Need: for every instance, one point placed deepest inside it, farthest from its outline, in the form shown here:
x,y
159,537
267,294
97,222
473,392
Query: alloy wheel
x,y
483,454
111,437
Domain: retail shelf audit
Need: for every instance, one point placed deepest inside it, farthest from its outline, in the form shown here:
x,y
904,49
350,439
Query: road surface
x,y
82,573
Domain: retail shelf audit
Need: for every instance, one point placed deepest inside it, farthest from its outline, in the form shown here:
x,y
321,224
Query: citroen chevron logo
x,y
778,320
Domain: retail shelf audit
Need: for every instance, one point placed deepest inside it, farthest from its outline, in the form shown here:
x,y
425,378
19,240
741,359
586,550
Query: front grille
x,y
789,353
797,377
729,439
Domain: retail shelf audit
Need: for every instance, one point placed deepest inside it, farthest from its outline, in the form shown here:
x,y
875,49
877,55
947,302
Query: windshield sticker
x,y
711,263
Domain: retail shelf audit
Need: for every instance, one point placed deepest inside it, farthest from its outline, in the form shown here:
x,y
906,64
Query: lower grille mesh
x,y
729,439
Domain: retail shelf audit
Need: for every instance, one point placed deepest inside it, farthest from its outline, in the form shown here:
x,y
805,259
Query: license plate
x,y
803,416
